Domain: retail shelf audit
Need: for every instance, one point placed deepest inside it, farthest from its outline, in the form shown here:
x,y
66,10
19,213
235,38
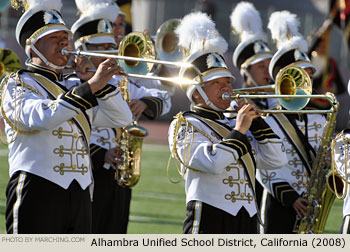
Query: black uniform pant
x,y
36,205
278,219
111,203
202,218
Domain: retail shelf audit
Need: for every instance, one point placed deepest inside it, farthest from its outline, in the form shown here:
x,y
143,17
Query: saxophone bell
x,y
130,140
137,130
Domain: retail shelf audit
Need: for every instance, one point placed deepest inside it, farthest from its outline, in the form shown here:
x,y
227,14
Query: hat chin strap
x,y
244,71
44,59
206,99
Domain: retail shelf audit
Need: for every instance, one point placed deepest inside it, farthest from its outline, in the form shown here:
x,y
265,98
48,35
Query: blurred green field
x,y
157,206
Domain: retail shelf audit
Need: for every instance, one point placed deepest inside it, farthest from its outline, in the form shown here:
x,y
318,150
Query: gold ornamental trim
x,y
57,91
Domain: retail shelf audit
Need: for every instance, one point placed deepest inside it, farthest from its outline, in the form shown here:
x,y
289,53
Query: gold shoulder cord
x,y
17,109
187,154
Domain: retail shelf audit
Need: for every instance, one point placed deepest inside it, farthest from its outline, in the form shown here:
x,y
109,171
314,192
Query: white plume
x,y
98,9
246,21
197,32
284,30
44,4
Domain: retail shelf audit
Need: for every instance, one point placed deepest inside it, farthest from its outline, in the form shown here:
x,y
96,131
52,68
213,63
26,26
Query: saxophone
x,y
129,139
317,192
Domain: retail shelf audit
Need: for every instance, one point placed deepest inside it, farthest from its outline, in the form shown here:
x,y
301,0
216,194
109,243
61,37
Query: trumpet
x,y
183,81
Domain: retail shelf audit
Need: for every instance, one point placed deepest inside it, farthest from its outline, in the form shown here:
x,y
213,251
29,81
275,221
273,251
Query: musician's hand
x,y
137,107
104,73
245,116
113,157
240,104
82,68
300,206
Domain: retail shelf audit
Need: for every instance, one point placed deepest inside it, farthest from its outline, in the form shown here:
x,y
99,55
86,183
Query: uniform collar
x,y
48,73
208,113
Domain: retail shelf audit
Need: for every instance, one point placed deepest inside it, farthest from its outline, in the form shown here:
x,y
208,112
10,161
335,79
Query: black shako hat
x,y
39,19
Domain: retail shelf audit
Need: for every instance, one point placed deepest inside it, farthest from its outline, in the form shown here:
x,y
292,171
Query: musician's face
x,y
50,46
84,64
214,90
260,73
99,47
119,29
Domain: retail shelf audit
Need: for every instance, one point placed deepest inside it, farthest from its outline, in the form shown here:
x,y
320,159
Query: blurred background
x,y
150,14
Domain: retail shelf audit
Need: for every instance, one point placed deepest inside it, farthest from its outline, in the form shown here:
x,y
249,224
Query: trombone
x,y
293,90
183,81
328,96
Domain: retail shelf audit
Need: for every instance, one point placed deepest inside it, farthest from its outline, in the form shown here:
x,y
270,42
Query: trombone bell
x,y
293,88
133,51
166,42
137,45
293,80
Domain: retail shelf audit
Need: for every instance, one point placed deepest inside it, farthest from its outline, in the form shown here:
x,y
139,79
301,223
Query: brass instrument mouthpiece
x,y
226,96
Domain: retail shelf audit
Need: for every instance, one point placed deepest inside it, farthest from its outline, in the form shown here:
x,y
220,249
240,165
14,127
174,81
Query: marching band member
x,y
48,128
216,158
252,56
111,202
119,25
300,134
341,162
119,31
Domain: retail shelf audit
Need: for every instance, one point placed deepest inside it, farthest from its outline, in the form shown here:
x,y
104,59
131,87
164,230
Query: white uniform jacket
x,y
158,103
217,162
342,164
52,124
288,183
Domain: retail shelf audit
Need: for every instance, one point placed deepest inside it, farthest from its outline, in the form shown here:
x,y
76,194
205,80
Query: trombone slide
x,y
183,81
105,55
